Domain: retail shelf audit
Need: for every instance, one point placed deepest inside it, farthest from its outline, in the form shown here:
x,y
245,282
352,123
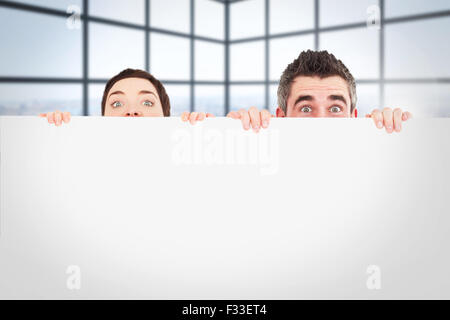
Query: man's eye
x,y
147,103
335,109
116,104
306,109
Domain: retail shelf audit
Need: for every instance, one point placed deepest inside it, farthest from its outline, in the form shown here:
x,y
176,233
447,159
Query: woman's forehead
x,y
133,86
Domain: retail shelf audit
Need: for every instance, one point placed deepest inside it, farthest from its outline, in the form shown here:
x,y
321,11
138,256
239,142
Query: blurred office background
x,y
218,56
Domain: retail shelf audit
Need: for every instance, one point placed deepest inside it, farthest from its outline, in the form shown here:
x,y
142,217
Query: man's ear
x,y
280,113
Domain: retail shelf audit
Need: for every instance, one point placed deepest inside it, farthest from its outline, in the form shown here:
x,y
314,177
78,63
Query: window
x,y
163,15
209,19
247,61
35,45
112,49
210,98
340,12
32,99
209,61
217,62
291,15
179,96
357,48
132,11
246,96
418,49
247,19
284,50
396,8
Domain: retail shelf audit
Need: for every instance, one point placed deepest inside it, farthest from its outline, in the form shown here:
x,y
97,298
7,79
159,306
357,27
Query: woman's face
x,y
133,97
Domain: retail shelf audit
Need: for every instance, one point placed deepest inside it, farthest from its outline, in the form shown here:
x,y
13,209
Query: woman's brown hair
x,y
136,73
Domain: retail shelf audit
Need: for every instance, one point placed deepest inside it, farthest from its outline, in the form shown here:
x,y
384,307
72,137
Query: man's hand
x,y
193,117
389,119
56,117
253,117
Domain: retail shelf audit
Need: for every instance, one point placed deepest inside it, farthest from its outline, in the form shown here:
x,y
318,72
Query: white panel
x,y
160,209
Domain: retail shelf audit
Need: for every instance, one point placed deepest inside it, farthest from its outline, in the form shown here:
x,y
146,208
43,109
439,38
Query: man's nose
x,y
133,113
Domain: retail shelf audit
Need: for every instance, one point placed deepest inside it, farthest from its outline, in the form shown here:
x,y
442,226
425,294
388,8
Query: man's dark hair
x,y
136,73
314,63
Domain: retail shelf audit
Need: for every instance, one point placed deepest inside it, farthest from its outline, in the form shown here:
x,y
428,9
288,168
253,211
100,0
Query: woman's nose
x,y
133,113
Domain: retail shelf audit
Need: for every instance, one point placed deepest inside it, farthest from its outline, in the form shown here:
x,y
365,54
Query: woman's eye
x,y
116,104
148,103
335,109
306,109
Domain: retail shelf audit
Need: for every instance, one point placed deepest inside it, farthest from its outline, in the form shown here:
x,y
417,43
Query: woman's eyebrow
x,y
116,92
147,92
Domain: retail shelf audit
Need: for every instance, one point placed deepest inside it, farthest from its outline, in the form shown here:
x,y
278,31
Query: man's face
x,y
314,97
133,97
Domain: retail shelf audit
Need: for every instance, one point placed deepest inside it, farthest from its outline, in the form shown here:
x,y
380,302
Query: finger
x,y
50,117
265,118
234,115
255,118
368,116
201,116
406,116
377,118
210,115
245,119
193,117
388,120
43,115
185,116
398,120
58,118
66,117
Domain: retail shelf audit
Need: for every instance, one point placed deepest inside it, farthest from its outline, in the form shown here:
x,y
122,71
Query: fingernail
x,y
265,124
379,124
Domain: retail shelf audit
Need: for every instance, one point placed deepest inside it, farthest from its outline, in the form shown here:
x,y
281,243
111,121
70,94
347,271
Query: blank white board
x,y
159,209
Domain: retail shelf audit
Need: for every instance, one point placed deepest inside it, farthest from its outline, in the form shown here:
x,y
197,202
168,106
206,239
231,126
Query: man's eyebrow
x,y
116,92
303,98
337,97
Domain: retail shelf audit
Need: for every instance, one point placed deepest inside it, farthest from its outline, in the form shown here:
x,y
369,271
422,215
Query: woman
x,y
132,93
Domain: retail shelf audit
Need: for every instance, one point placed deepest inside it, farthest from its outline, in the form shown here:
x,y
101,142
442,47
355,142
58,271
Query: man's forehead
x,y
317,83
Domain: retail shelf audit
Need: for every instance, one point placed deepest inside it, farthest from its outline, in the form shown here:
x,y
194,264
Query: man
x,y
318,85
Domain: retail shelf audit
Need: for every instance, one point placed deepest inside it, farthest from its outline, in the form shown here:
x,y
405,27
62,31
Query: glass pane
x,y
410,7
32,99
180,97
169,57
422,100
171,15
358,49
291,15
210,98
209,61
285,50
246,19
112,49
273,100
368,98
247,61
209,19
54,4
132,11
95,99
246,96
334,12
418,49
38,45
